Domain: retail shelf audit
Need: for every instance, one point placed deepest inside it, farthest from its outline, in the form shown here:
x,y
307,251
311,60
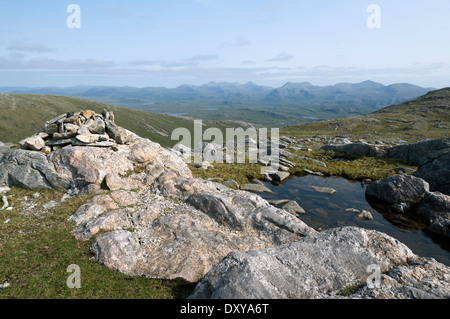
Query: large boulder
x,y
435,208
437,174
397,190
328,264
161,236
91,165
31,170
420,153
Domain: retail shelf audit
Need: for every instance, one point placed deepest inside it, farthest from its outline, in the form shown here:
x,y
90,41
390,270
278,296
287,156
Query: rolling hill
x,y
22,115
425,117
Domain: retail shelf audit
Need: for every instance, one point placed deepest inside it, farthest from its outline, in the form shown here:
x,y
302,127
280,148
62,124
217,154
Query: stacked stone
x,y
84,128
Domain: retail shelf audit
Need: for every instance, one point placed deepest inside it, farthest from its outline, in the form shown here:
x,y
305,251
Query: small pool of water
x,y
328,211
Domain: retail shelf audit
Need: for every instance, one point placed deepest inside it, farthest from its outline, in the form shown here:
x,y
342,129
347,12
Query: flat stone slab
x,y
326,190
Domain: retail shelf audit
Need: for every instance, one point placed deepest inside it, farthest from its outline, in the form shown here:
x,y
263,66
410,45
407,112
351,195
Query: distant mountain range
x,y
264,105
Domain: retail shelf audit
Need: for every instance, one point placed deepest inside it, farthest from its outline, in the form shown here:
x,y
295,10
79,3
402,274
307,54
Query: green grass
x,y
36,249
350,167
22,115
241,173
423,118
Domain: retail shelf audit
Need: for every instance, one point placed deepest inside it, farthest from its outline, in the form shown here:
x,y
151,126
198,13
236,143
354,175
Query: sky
x,y
173,42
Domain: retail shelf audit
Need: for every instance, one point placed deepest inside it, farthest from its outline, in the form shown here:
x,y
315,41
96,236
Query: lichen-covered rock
x,y
34,143
324,265
31,170
181,239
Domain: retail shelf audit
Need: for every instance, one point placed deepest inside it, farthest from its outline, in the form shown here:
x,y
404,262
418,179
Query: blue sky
x,y
173,42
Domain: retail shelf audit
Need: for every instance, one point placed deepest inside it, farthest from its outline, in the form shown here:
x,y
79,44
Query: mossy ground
x,y
339,165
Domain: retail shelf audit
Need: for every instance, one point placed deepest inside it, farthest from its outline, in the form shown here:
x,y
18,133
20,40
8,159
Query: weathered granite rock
x,y
437,174
398,189
322,266
34,143
420,278
119,134
90,165
359,149
255,188
293,207
420,153
31,170
231,183
171,239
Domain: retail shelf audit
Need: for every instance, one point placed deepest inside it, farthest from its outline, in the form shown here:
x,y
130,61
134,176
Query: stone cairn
x,y
84,128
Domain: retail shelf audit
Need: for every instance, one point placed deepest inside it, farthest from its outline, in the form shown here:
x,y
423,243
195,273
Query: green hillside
x,y
425,117
22,115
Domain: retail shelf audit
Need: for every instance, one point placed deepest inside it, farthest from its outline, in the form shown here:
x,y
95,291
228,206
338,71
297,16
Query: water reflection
x,y
327,211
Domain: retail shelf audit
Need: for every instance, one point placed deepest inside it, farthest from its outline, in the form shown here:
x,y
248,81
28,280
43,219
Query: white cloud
x,y
282,57
18,61
29,47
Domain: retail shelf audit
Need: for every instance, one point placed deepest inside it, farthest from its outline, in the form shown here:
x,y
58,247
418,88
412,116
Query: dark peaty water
x,y
327,211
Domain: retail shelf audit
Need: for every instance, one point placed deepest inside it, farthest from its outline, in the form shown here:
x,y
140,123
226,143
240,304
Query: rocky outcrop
x,y
437,173
326,265
410,193
399,189
31,170
358,149
420,153
435,208
89,167
163,236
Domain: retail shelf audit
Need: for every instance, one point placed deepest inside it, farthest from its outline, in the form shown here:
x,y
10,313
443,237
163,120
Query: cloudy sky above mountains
x,y
173,42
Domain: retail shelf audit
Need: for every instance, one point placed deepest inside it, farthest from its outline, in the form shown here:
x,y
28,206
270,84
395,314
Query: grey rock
x,y
421,278
5,202
96,125
4,189
325,190
308,171
119,134
353,211
279,176
437,174
202,165
243,210
365,215
277,202
435,208
420,153
255,188
171,239
116,250
34,143
30,170
398,189
293,207
231,183
358,149
63,136
322,266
